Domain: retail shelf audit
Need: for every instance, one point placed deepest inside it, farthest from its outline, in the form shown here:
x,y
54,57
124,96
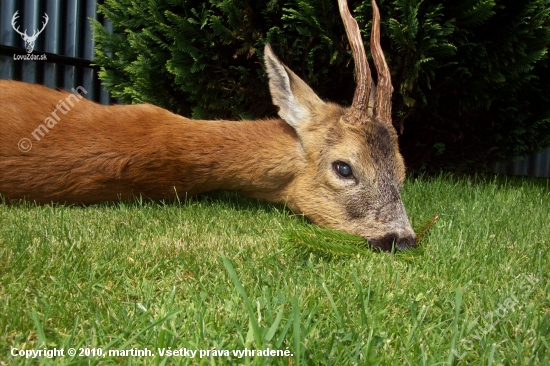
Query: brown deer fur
x,y
96,153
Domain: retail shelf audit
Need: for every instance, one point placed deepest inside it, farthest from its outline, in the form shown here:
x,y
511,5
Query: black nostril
x,y
388,241
406,242
385,243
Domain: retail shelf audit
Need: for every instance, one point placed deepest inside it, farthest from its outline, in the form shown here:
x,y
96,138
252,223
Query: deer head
x,y
29,41
355,169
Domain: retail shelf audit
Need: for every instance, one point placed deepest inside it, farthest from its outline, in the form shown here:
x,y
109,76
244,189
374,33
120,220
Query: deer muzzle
x,y
393,240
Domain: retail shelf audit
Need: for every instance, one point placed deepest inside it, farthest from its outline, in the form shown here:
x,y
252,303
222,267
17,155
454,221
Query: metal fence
x,y
64,48
67,43
536,165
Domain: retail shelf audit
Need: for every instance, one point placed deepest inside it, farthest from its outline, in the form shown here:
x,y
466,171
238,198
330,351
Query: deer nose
x,y
388,241
406,242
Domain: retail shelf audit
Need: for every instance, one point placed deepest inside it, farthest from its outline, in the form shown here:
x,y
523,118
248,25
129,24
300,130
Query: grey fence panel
x,y
66,41
28,18
70,38
536,165
90,11
7,37
52,42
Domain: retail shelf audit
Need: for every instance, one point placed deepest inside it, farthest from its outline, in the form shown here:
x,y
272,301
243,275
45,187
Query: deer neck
x,y
256,158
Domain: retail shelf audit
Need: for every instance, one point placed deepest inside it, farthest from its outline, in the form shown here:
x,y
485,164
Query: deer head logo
x,y
29,41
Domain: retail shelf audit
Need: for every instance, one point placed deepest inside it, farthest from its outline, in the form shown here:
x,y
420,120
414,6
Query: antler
x,y
13,19
34,35
384,89
24,34
363,76
365,90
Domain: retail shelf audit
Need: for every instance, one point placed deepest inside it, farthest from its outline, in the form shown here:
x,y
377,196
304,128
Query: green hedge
x,y
471,77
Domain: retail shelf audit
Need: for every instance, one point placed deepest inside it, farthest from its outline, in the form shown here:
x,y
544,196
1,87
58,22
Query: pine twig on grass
x,y
424,229
310,238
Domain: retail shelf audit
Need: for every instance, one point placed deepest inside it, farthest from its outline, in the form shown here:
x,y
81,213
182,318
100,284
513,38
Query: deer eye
x,y
342,169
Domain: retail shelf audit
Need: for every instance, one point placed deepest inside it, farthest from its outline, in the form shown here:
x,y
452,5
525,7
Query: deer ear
x,y
295,99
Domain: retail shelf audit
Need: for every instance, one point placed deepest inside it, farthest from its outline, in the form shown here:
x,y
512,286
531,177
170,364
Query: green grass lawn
x,y
213,274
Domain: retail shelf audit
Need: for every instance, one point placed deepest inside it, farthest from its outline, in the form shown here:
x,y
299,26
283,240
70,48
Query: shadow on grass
x,y
231,200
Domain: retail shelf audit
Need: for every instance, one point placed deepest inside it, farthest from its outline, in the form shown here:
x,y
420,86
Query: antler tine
x,y
46,18
384,89
13,20
363,75
34,34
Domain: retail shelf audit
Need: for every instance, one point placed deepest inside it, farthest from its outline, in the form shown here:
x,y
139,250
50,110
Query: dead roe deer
x,y
339,166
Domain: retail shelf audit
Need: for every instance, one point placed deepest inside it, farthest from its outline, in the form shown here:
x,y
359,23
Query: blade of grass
x,y
271,331
242,292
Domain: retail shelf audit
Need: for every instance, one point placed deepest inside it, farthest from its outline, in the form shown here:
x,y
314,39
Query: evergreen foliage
x,y
471,77
306,238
